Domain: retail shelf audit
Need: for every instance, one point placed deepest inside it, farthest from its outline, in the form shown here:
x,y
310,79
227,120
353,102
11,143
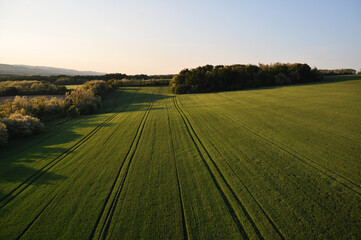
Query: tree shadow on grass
x,y
341,78
327,79
25,158
140,100
17,171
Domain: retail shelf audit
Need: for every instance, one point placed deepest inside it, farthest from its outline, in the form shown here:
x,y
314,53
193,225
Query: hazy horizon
x,y
164,37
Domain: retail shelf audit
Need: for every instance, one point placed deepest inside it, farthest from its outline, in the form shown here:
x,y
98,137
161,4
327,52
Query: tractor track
x,y
249,192
110,135
58,193
31,179
190,130
307,161
301,218
289,179
299,122
41,212
302,158
118,183
185,230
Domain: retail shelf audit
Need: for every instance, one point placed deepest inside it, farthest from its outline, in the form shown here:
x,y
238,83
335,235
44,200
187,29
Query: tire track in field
x,y
190,130
42,211
307,161
249,192
298,122
34,143
58,193
185,230
304,159
99,230
36,218
289,179
110,135
30,180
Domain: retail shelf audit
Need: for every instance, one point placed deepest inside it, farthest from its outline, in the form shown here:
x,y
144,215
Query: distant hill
x,y
25,70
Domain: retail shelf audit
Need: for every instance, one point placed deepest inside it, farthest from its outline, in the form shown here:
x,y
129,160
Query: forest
x,y
210,78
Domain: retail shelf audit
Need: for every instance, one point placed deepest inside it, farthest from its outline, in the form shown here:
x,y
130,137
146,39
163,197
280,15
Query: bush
x,y
36,107
72,111
3,134
19,115
19,125
12,88
98,87
114,83
84,99
42,106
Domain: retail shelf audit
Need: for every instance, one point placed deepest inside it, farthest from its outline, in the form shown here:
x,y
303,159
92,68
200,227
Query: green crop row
x,y
273,163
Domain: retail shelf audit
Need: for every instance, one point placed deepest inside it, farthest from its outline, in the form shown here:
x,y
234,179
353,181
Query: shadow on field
x,y
24,158
341,78
2,194
17,172
326,80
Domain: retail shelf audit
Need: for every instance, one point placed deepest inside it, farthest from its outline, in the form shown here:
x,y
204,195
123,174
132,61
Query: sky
x,y
166,36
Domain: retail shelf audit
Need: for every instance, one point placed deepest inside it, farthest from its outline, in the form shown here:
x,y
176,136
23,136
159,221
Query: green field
x,y
72,87
272,163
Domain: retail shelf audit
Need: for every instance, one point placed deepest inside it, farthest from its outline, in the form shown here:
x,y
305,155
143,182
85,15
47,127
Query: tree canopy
x,y
210,78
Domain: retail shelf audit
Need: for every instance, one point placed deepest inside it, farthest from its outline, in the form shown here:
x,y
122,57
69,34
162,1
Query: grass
x,y
72,87
273,163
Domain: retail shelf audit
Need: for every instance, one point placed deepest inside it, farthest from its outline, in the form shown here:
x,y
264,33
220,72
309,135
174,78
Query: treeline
x,y
80,79
124,82
24,116
143,82
235,77
342,71
12,88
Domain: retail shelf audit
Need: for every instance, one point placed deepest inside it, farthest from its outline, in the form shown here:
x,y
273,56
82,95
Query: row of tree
x,y
12,88
80,79
234,77
23,116
149,82
342,71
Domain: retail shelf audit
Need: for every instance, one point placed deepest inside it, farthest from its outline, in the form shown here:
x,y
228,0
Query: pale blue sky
x,y
165,36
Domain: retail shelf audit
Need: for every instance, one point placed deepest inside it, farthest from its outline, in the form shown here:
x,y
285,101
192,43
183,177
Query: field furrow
x,y
327,172
273,163
199,145
181,201
107,212
346,182
260,160
22,186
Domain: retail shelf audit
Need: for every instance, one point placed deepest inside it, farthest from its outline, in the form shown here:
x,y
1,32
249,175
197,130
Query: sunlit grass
x,y
272,163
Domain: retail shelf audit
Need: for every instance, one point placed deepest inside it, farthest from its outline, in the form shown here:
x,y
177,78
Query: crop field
x,y
72,87
271,163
